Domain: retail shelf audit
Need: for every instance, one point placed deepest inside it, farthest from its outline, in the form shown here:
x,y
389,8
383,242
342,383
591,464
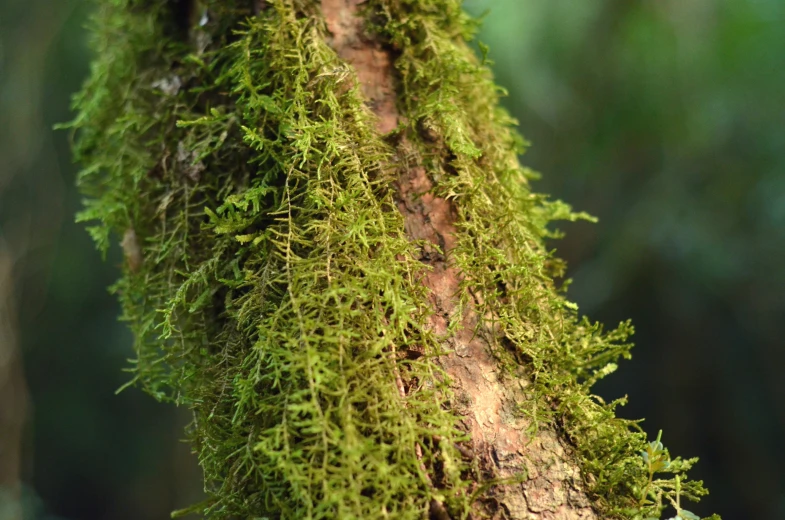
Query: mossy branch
x,y
277,291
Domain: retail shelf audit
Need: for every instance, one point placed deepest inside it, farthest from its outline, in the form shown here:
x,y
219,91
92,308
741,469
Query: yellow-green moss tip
x,y
274,278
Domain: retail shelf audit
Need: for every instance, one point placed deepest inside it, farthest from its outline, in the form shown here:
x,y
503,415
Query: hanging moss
x,y
270,282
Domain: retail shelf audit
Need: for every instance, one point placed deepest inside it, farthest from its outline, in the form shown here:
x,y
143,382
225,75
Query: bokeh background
x,y
666,119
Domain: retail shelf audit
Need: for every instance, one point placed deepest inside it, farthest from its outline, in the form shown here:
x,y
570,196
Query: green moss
x,y
277,281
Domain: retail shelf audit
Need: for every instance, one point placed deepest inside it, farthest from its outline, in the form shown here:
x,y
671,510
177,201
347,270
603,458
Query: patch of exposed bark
x,y
372,63
545,483
542,481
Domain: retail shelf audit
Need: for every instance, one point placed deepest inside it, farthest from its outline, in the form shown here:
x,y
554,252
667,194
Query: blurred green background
x,y
666,119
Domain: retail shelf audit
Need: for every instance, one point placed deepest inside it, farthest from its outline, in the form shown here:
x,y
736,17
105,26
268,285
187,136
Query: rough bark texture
x,y
547,478
372,63
550,483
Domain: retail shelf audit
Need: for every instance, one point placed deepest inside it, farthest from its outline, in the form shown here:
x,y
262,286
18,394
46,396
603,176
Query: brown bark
x,y
544,481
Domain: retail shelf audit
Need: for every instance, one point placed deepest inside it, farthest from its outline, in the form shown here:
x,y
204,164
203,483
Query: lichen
x,y
275,284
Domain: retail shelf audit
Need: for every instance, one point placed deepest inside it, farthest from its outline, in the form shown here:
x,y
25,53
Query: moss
x,y
270,281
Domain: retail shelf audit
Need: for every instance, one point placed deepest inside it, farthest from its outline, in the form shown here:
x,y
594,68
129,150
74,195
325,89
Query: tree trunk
x,y
334,258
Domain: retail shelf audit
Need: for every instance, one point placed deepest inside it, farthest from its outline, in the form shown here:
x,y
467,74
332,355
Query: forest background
x,y
664,119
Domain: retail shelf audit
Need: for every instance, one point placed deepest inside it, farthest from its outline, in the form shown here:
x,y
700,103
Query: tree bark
x,y
546,476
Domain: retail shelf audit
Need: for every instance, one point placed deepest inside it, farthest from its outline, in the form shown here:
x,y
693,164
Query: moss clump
x,y
272,281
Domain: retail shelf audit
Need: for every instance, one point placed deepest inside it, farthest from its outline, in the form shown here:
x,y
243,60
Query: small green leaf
x,y
688,515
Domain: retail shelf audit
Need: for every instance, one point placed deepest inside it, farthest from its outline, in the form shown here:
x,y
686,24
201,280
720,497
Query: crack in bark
x,y
542,481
